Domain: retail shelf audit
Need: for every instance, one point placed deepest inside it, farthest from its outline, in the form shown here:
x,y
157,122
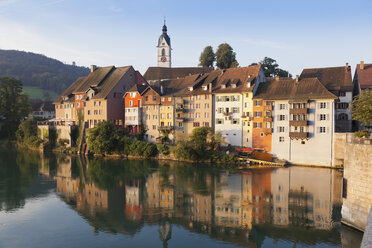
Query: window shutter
x,y
327,117
327,129
327,104
238,110
237,98
318,129
318,117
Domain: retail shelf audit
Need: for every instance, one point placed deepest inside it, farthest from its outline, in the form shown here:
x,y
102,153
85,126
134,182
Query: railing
x,y
298,135
165,128
180,110
298,123
295,111
179,118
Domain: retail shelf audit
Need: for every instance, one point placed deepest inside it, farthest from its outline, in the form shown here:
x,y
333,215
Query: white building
x,y
303,117
338,81
232,97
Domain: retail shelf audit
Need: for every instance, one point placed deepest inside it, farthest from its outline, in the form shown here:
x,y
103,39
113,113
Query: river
x,y
62,201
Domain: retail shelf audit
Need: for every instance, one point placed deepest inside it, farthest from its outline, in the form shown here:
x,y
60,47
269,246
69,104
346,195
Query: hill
x,y
39,71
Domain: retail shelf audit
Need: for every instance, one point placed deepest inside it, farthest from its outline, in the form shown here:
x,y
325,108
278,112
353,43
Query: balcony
x,y
180,119
268,107
165,128
226,113
267,130
298,135
298,111
301,123
268,119
180,110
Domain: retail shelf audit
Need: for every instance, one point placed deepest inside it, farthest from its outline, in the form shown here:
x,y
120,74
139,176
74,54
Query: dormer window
x,y
248,84
190,88
233,85
205,87
223,86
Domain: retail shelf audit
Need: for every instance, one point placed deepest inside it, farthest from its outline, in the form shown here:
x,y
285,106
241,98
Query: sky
x,y
298,34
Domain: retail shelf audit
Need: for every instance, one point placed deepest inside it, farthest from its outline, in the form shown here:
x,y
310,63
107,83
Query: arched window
x,y
163,52
343,117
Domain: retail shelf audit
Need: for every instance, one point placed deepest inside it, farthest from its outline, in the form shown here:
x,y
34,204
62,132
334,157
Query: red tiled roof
x,y
364,76
333,78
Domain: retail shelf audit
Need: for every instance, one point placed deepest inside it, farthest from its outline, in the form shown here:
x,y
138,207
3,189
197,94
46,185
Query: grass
x,y
36,93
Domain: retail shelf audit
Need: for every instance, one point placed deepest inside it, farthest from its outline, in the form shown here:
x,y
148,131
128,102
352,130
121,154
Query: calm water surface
x,y
62,201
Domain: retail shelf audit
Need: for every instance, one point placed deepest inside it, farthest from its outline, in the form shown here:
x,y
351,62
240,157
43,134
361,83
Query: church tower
x,y
164,49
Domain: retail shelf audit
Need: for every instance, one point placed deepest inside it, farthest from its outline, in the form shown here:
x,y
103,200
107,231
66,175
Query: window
x,y
196,124
197,115
219,121
197,105
218,98
281,129
235,121
281,139
343,117
130,103
191,106
342,93
169,116
235,110
322,105
146,98
343,105
246,104
88,112
101,112
163,99
78,105
169,98
205,124
191,115
154,98
153,127
206,97
257,114
162,107
95,103
206,115
154,117
323,117
257,103
282,106
133,94
162,116
282,117
207,105
220,110
179,124
100,103
95,112
163,52
322,130
198,97
257,125
169,107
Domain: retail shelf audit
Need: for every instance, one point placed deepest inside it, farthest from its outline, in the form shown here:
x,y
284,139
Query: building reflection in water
x,y
291,204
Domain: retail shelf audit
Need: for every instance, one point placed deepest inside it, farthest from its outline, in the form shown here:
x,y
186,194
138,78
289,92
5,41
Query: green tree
x,y
271,68
361,107
207,57
226,57
103,139
14,105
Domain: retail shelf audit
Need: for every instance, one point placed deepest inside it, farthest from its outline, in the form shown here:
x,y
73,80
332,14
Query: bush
x,y
33,141
149,150
163,149
362,134
103,138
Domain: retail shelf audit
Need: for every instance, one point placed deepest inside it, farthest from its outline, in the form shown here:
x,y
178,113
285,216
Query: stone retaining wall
x,y
367,237
357,185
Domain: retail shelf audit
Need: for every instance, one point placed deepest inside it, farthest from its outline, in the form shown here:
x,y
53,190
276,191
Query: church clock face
x,y
163,59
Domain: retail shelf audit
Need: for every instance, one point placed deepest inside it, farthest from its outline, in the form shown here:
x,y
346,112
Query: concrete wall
x,y
358,173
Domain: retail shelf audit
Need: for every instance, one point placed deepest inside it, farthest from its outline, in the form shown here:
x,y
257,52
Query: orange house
x,y
133,108
79,105
262,124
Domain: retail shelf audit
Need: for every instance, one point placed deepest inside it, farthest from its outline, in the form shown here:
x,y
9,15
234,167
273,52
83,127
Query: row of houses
x,y
287,117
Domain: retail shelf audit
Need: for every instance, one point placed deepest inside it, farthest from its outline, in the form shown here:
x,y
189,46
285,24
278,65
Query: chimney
x,y
361,66
210,87
297,78
93,68
347,65
161,90
276,78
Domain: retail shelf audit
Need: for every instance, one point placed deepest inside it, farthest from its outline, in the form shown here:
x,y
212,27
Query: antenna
x,y
164,20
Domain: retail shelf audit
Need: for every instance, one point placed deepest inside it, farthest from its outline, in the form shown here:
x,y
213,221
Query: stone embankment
x,y
367,237
357,188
